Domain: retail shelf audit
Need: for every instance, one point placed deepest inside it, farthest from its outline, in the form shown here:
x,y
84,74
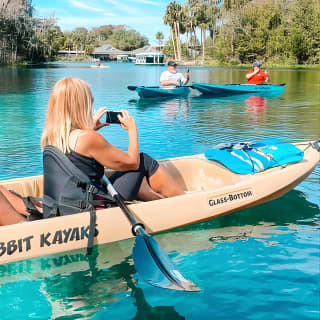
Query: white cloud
x,y
81,5
72,21
153,3
130,10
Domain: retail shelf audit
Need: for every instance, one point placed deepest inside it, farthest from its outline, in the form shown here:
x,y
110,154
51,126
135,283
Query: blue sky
x,y
145,16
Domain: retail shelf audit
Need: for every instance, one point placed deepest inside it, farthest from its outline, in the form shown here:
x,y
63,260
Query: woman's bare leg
x,y
8,214
162,183
14,200
146,193
18,203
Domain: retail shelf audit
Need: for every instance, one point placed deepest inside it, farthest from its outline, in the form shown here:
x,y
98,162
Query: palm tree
x,y
168,19
172,17
193,6
202,20
159,37
213,14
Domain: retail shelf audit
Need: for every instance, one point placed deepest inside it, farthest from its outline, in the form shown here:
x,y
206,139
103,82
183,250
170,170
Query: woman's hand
x,y
127,121
97,124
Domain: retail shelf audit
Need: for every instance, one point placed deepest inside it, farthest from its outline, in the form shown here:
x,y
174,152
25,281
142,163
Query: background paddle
x,y
133,88
151,262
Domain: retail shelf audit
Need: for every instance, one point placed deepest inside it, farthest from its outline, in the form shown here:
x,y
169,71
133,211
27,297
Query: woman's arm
x,y
92,144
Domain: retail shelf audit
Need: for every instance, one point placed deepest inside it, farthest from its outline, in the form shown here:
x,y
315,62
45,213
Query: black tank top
x,y
91,167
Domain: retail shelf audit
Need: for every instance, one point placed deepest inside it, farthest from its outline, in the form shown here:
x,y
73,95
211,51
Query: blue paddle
x,y
150,260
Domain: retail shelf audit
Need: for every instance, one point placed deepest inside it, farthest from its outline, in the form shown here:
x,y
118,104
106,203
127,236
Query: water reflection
x,y
95,287
15,80
76,285
257,108
171,108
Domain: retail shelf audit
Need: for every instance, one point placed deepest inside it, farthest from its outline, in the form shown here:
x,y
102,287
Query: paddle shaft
x,y
136,226
160,271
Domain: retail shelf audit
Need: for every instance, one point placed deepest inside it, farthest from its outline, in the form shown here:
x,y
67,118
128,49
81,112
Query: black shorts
x,y
128,183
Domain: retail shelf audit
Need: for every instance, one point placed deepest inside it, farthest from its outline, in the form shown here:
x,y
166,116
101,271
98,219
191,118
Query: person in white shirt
x,y
173,78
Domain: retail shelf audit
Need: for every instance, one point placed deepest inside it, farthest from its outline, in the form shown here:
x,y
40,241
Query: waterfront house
x,y
145,55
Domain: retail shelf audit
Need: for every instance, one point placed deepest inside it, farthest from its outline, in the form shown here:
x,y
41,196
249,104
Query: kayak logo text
x,y
46,240
237,196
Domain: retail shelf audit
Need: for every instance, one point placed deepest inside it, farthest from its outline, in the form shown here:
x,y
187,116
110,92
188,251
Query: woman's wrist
x,y
132,127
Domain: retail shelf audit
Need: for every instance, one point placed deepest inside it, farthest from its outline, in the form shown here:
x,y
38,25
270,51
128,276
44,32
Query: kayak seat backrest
x,y
62,180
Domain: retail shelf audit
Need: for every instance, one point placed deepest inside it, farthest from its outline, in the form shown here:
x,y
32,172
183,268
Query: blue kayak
x,y
165,92
231,89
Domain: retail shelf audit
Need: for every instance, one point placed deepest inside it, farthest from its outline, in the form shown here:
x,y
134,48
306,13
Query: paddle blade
x,y
155,267
132,88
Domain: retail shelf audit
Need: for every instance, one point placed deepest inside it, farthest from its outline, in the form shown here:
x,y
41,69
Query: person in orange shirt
x,y
256,75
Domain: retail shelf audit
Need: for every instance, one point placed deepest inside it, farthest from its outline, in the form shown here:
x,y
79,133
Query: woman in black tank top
x,y
92,168
137,175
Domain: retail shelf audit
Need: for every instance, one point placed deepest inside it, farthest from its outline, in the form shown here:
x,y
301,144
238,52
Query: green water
x,y
260,263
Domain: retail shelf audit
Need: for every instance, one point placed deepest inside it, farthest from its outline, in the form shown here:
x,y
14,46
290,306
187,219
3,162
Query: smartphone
x,y
112,117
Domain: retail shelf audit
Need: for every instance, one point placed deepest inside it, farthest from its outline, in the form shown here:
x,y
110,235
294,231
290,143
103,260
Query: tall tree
x,y
173,17
159,37
202,21
213,13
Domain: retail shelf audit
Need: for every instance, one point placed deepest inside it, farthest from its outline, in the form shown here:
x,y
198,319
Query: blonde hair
x,y
69,108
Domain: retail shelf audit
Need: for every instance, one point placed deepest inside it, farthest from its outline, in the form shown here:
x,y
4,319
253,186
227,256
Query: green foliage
x,y
172,13
272,31
124,39
304,32
118,36
22,37
159,37
168,49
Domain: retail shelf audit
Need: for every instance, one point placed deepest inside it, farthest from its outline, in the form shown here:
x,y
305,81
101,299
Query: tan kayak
x,y
212,191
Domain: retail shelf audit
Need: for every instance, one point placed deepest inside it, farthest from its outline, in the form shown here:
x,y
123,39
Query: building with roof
x,y
108,52
145,55
149,58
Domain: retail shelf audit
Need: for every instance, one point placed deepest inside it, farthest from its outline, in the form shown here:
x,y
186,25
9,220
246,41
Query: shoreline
x,y
183,63
215,64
